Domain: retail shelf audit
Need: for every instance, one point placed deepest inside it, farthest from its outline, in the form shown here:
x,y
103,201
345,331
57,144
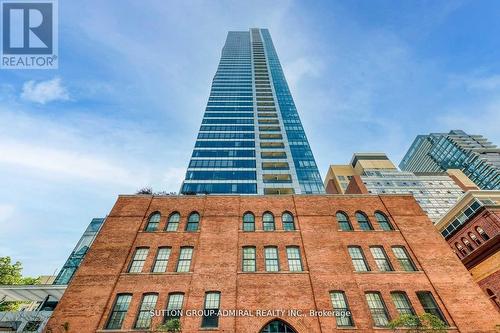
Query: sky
x,y
123,109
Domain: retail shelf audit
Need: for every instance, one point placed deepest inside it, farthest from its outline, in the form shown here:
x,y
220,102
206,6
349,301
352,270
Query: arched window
x,y
173,222
474,238
153,222
193,222
363,221
383,221
287,220
483,234
277,326
468,244
460,249
268,222
248,222
343,220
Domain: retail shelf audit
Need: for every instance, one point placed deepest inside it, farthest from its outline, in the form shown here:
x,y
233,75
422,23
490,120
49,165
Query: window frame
x,y
189,223
206,318
133,260
341,223
182,260
266,259
253,260
248,223
403,310
264,222
408,258
349,319
363,258
142,311
367,220
372,310
384,221
170,222
153,268
113,311
149,222
167,315
385,258
285,223
439,312
294,260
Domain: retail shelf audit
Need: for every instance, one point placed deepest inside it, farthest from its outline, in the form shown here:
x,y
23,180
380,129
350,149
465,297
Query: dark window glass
x,y
153,222
363,221
193,222
402,303
429,304
119,311
339,303
288,223
210,316
248,222
383,221
343,221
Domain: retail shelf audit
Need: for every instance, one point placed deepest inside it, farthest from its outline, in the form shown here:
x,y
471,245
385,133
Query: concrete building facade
x,y
283,262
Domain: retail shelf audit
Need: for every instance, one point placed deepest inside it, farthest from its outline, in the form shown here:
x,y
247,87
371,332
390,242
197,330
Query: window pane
x,y
161,260
358,259
430,305
294,260
119,311
138,260
339,303
268,222
364,224
271,257
404,259
288,223
173,222
185,256
381,260
174,306
383,221
193,222
153,222
210,317
343,221
402,303
144,317
248,222
377,309
248,259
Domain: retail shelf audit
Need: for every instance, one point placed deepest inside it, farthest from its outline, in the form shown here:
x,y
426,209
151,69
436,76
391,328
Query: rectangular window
x,y
294,261
377,308
148,304
381,259
185,257
402,303
174,306
358,259
404,258
210,315
429,304
340,305
271,257
137,263
161,261
119,311
249,259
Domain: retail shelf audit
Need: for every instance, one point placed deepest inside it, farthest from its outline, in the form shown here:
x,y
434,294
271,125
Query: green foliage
x,y
425,322
171,325
10,273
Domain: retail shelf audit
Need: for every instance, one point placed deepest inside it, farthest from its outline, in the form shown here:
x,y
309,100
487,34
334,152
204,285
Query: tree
x,y
171,326
425,322
10,274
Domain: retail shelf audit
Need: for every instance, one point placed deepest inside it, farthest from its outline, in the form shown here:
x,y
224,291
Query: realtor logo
x,y
29,34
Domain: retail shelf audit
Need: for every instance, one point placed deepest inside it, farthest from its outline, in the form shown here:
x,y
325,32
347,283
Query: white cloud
x,y
60,162
44,91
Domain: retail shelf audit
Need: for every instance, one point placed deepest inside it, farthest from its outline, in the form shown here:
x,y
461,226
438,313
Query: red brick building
x,y
472,229
374,256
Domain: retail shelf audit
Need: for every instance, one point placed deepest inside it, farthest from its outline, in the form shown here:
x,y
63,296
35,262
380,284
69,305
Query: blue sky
x,y
123,109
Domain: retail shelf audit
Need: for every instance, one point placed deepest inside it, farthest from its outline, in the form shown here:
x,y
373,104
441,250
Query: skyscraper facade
x,y
473,154
251,140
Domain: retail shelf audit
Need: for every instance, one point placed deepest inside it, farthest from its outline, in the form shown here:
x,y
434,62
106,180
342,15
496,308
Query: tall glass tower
x,y
478,158
251,139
